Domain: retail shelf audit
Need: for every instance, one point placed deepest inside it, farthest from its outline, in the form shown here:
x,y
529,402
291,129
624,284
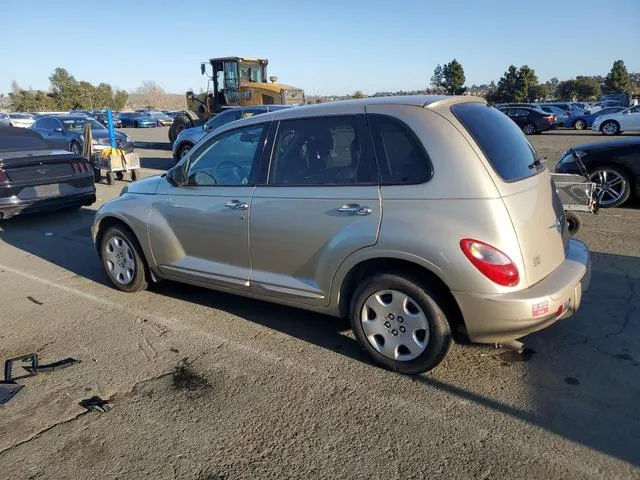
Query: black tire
x,y
180,123
626,191
110,178
529,129
119,176
139,281
182,151
75,147
429,301
134,175
97,176
579,124
610,128
574,223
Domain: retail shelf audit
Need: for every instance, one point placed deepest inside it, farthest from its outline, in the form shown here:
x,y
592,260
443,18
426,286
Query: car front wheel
x,y
123,260
613,187
580,124
401,323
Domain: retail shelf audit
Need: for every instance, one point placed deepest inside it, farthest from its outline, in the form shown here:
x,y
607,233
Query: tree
x,y
552,85
587,88
567,90
454,78
65,89
618,80
358,94
437,80
538,92
119,100
525,79
151,94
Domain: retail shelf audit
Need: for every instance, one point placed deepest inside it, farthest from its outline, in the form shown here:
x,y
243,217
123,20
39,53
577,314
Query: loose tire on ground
x,y
110,178
180,123
437,335
130,248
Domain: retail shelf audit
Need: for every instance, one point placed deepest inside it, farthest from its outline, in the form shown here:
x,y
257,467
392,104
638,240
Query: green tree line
x,y
67,93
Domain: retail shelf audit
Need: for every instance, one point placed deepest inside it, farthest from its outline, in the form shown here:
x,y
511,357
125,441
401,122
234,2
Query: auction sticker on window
x,y
540,308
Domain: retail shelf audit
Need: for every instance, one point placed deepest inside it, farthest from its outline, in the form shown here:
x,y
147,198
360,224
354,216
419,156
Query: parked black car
x,y
530,120
34,178
614,166
102,118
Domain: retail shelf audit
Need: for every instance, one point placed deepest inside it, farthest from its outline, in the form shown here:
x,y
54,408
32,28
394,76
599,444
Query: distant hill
x,y
169,101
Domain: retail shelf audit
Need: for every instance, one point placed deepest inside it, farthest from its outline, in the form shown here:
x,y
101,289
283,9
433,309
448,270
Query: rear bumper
x,y
12,207
500,317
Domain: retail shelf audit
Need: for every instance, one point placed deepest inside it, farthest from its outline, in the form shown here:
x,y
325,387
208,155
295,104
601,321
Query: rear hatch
x,y
525,185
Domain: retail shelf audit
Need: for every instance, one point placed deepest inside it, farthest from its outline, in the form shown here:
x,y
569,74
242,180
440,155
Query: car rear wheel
x,y
400,322
580,124
74,147
123,260
610,127
613,186
529,128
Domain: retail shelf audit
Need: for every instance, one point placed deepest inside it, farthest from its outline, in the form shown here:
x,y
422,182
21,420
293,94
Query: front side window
x,y
47,124
321,151
635,109
228,159
401,157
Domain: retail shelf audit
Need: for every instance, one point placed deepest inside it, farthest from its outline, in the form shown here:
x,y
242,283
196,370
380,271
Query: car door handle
x,y
236,205
354,209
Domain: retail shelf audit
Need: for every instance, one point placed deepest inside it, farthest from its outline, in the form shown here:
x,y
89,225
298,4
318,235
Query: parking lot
x,y
205,385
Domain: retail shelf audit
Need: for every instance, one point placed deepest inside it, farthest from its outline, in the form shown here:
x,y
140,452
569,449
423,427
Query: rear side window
x,y
500,139
401,157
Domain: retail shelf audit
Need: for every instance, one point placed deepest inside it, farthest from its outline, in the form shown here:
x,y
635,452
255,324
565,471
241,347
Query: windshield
x,y
251,72
77,124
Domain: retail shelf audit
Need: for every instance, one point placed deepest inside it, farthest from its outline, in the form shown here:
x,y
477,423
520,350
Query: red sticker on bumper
x,y
541,308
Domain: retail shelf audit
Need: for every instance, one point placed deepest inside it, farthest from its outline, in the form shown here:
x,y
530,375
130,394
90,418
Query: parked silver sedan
x,y
413,216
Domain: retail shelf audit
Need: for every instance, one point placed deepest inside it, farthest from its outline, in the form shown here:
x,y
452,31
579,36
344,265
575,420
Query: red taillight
x,y
548,118
3,177
491,262
79,167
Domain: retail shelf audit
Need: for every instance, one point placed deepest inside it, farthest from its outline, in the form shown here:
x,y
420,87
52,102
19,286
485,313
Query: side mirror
x,y
177,176
59,130
202,68
206,127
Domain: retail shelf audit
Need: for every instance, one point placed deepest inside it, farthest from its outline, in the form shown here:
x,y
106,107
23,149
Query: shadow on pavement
x,y
581,384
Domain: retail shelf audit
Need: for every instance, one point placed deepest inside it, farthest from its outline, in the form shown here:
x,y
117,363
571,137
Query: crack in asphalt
x,y
116,396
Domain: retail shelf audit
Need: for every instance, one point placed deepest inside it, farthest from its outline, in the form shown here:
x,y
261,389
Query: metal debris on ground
x,y
9,388
95,404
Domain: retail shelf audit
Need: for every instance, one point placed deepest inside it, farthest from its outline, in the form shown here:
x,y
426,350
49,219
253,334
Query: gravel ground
x,y
205,385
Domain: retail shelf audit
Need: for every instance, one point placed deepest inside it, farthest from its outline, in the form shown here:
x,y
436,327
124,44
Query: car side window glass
x,y
401,156
47,124
321,151
224,118
228,159
635,109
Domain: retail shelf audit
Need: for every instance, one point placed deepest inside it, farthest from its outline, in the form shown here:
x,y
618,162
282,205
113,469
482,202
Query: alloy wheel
x,y
580,125
395,325
119,260
610,128
610,186
529,129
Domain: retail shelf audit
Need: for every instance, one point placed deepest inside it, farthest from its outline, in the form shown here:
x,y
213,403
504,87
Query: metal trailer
x,y
577,194
116,165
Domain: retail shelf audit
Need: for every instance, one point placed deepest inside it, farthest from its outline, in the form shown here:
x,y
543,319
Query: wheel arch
x,y
390,264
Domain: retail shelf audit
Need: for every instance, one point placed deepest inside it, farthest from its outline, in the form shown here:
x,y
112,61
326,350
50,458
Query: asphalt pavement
x,y
204,385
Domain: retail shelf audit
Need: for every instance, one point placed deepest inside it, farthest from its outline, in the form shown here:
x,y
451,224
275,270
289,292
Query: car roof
x,y
624,141
66,117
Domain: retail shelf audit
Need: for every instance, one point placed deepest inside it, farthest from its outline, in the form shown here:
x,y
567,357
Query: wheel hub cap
x,y
119,260
610,186
395,325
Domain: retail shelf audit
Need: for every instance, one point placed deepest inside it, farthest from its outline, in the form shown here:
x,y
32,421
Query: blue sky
x,y
324,46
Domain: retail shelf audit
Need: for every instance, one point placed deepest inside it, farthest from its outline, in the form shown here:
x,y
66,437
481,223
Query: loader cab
x,y
231,77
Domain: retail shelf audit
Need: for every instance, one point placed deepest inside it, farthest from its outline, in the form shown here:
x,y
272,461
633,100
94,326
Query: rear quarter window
x,y
500,139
